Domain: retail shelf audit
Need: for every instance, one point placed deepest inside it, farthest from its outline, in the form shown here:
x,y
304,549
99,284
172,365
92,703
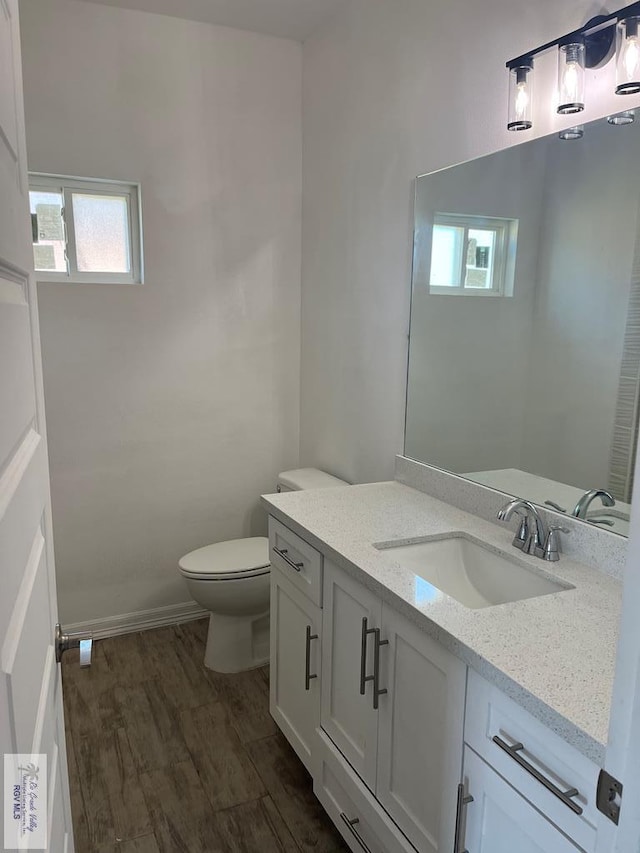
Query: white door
x,y
296,629
499,820
420,734
31,719
347,715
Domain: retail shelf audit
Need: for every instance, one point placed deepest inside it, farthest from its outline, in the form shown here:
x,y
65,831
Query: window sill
x,y
93,278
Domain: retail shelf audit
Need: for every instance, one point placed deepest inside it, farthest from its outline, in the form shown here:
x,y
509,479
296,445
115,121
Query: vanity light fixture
x,y
590,46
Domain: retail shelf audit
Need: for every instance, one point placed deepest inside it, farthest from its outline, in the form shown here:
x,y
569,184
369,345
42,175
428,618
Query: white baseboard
x,y
143,620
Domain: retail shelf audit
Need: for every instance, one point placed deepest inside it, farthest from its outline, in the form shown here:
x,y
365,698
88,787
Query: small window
x,y
472,255
86,231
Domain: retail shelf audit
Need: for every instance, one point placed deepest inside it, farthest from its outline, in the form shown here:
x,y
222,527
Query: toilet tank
x,y
307,478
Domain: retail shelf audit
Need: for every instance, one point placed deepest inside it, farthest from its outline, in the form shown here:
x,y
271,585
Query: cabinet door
x,y
296,625
420,733
499,820
347,716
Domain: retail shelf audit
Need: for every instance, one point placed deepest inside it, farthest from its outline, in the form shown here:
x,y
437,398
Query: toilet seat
x,y
232,560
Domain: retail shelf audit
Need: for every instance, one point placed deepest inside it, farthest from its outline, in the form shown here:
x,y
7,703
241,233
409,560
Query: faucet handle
x,y
552,547
521,539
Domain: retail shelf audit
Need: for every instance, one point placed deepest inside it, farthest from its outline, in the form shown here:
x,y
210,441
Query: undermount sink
x,y
473,573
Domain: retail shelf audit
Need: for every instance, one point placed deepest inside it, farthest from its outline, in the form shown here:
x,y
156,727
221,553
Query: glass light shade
x,y
628,57
571,78
521,97
571,133
627,117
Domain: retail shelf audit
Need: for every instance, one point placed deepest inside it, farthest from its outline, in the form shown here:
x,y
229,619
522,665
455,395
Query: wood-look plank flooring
x,y
166,756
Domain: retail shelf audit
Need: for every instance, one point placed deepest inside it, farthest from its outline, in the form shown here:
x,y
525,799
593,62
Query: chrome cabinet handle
x,y
82,640
282,552
307,661
364,678
351,825
377,692
363,655
463,800
563,796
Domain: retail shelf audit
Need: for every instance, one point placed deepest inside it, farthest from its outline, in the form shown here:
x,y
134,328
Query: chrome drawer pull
x,y
307,659
282,552
462,802
564,796
351,824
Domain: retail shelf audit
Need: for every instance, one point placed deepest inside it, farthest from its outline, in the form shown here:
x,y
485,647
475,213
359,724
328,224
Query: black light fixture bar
x,y
596,25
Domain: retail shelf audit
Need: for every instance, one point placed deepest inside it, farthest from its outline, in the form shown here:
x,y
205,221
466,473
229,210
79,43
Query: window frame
x,y
506,236
66,185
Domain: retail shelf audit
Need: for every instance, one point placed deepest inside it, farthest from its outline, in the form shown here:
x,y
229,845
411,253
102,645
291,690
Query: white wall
x,y
392,90
170,406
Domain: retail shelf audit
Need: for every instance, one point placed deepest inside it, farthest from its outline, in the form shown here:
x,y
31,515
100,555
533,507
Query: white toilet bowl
x,y
231,580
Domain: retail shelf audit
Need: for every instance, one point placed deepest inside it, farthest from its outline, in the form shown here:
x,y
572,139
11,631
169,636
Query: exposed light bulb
x,y
522,101
571,58
570,81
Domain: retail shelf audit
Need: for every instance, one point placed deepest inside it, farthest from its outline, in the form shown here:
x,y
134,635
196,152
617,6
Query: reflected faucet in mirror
x,y
582,507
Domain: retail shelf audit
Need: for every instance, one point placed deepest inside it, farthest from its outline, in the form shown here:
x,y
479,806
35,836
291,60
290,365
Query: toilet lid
x,y
224,560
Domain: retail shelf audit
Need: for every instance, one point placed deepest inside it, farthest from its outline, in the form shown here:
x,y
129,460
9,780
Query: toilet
x,y
231,580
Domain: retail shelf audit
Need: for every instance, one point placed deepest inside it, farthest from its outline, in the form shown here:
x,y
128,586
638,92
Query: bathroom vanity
x,y
426,724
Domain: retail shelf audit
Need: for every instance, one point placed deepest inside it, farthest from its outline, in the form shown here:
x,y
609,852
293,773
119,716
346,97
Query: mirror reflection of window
x,y
472,254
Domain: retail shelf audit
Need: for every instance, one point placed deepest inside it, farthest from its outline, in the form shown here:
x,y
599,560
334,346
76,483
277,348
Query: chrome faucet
x,y
531,536
582,507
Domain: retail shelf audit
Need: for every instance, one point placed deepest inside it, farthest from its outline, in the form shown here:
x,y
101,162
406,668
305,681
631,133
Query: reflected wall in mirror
x,y
524,356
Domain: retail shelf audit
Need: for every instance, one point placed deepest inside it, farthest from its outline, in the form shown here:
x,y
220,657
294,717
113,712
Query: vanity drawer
x,y
360,818
490,715
299,561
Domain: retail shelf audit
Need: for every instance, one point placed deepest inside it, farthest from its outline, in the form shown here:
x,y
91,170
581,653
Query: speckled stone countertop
x,y
555,654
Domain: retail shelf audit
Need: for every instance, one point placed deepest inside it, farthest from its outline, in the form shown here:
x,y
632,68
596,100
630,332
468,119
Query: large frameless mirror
x,y
524,357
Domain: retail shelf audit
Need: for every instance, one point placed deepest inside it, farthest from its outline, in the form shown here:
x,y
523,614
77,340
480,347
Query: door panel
x,y
295,709
30,695
22,503
347,716
16,385
26,644
420,733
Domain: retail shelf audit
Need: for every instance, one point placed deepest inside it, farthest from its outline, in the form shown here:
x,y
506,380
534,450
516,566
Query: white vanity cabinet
x,y
393,704
396,732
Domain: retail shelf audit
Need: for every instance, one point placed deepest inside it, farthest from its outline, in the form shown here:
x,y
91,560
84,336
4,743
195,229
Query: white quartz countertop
x,y
554,654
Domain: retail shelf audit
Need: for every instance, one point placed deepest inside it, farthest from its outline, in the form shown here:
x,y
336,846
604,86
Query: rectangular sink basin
x,y
473,573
